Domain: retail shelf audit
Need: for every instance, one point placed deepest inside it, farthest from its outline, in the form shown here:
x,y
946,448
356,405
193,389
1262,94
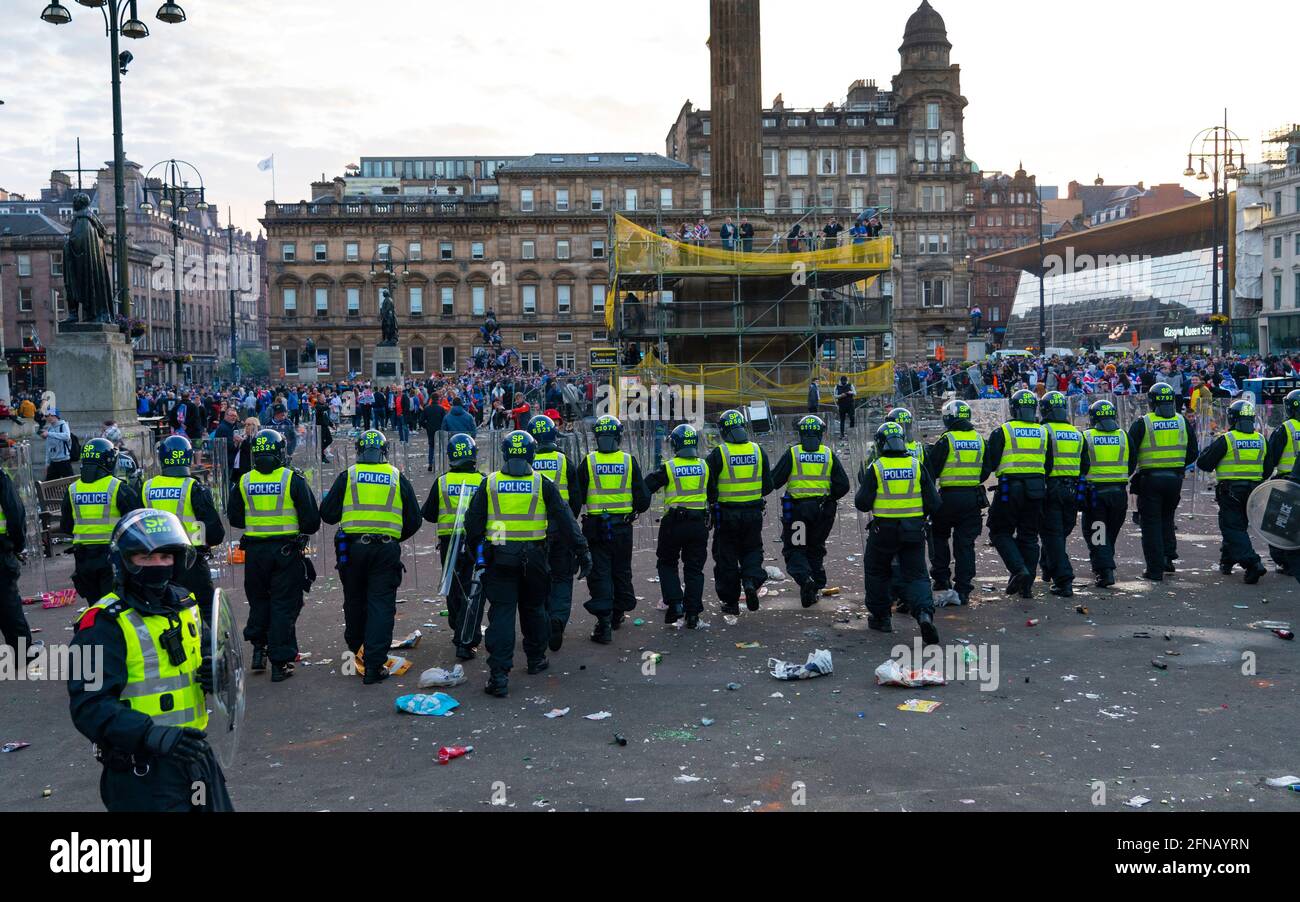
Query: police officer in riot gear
x,y
1161,447
1237,460
275,507
684,530
815,481
1019,453
1060,506
1283,445
145,707
507,525
13,539
462,480
610,485
1103,488
91,508
554,465
903,417
376,509
177,492
956,464
739,480
899,494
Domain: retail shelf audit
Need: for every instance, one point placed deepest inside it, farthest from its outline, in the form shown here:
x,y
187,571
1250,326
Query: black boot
x,y
1062,589
1153,577
259,660
692,621
374,675
536,667
808,594
498,684
880,624
1105,579
1254,573
281,672
1226,569
604,631
731,608
556,642
1170,568
616,620
1018,581
465,653
751,595
929,632
674,613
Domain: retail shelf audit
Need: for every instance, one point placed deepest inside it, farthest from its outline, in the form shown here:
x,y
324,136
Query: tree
x,y
254,363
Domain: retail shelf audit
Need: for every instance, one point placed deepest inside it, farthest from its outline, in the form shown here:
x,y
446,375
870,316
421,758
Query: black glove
x,y
584,563
182,743
205,676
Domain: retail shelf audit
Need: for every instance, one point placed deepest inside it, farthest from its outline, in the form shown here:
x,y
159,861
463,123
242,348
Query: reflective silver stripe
x,y
108,519
154,683
252,514
596,489
530,515
173,718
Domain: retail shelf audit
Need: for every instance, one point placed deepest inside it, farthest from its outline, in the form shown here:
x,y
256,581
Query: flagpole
x,y
273,199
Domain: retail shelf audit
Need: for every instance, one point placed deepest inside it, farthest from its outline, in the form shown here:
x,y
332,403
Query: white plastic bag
x,y
437,677
819,665
892,674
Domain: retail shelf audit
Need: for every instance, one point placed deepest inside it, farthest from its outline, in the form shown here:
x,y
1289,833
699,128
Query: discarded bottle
x,y
449,752
1285,634
620,740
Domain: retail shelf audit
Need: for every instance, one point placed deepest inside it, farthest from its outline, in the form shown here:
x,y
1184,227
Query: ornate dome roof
x,y
925,26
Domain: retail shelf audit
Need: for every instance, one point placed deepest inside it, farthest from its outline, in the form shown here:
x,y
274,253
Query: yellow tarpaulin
x,y
728,384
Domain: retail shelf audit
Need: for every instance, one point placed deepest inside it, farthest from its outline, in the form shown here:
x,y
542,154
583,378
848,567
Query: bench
x,y
49,496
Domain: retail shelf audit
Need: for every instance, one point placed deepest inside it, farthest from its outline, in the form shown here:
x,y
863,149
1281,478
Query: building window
x,y
446,250
562,200
666,198
288,252
932,117
385,251
858,198
415,300
417,359
476,250
597,249
769,122
1277,292
707,126
1277,248
630,200
857,161
828,197
322,302
526,200
796,200
887,161
564,338
934,293
530,338
598,298
1297,290
597,200
56,263
352,252
600,336
706,163
528,250
562,249
933,199
769,200
565,361
448,300
771,162
354,302
706,200
321,252
291,361
25,300
563,299
448,359
827,161
354,360
797,162
290,296
414,252
796,122
529,298
479,294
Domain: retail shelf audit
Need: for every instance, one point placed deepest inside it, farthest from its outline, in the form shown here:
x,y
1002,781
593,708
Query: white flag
x,y
268,163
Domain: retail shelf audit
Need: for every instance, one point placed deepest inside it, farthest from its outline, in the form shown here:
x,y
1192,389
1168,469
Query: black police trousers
x,y
1105,508
371,575
1060,514
13,622
737,550
463,634
1237,548
684,537
1016,520
517,581
166,785
954,529
902,541
92,575
559,605
610,582
1159,493
274,573
806,559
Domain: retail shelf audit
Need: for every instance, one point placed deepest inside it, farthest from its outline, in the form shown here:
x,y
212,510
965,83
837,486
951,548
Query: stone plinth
x,y
308,374
92,373
388,368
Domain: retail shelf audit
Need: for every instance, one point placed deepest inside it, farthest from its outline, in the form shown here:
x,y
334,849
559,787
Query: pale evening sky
x,y
1112,87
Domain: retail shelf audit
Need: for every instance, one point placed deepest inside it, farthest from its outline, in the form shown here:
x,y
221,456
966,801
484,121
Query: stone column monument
x,y
735,50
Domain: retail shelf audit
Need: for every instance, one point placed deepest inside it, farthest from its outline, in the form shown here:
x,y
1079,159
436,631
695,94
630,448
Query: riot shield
x,y
227,699
1274,512
454,549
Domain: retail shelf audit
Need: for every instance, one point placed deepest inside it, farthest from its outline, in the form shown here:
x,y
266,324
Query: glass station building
x,y
1149,304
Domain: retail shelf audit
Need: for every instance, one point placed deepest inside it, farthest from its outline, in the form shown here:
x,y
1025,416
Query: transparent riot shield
x,y
226,649
1273,510
16,460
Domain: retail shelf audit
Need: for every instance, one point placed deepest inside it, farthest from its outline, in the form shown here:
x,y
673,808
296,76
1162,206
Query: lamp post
x,y
4,358
174,194
121,20
230,287
1218,152
389,268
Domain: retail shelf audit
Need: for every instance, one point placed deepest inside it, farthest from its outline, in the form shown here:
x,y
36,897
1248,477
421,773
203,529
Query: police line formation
x,y
512,544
